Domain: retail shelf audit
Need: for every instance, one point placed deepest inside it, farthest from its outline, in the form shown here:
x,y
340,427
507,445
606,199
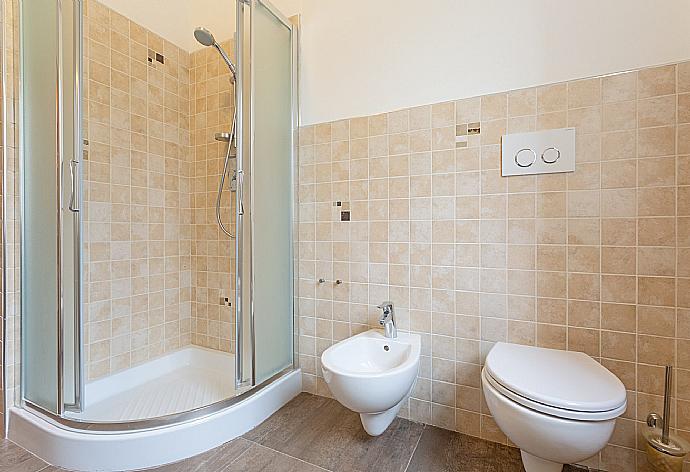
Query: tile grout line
x,y
31,453
424,426
296,458
232,461
279,452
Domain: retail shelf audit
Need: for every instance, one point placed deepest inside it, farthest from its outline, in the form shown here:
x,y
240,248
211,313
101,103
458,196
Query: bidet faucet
x,y
387,320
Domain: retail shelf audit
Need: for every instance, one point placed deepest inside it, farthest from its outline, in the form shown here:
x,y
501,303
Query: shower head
x,y
205,37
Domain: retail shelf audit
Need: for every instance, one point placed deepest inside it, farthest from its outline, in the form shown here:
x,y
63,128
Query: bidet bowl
x,y
371,374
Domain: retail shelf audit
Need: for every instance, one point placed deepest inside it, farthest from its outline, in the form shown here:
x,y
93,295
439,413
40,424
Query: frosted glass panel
x,y
272,193
49,37
40,202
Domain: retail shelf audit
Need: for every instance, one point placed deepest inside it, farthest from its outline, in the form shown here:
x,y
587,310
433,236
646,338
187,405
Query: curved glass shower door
x,y
179,320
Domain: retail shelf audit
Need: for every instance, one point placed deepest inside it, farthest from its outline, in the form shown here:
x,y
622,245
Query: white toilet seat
x,y
567,384
550,410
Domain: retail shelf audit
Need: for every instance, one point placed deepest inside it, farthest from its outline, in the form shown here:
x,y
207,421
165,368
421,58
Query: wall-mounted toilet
x,y
558,407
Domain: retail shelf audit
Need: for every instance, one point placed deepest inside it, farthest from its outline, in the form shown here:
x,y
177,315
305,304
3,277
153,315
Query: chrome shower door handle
x,y
240,192
74,178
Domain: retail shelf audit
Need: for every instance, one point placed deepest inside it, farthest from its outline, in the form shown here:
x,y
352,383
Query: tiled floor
x,y
315,434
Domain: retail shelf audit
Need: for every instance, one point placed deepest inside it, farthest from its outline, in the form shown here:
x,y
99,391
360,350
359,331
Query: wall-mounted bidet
x,y
558,407
372,374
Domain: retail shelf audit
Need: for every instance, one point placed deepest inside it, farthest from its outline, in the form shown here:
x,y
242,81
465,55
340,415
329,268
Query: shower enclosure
x,y
140,311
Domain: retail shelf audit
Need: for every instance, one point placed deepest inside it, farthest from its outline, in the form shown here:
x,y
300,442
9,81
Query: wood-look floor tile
x,y
259,459
216,459
440,450
313,433
14,458
323,432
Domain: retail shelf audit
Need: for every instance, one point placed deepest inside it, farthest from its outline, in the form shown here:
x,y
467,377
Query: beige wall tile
x,y
551,336
620,116
684,108
656,231
494,107
584,93
552,98
619,87
618,260
522,102
684,139
660,201
653,142
443,115
655,350
618,317
657,172
619,173
684,77
584,231
656,261
659,321
620,346
658,111
656,291
619,145
656,81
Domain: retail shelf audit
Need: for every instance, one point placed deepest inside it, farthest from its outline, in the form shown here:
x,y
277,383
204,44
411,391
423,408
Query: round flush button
x,y
525,157
550,155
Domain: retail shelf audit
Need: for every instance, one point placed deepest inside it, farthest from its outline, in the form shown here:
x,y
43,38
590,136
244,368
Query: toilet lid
x,y
562,379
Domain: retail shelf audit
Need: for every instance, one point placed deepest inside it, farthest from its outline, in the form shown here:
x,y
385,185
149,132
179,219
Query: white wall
x,y
361,57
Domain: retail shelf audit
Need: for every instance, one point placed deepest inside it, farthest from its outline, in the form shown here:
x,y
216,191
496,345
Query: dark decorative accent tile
x,y
577,468
323,432
473,128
